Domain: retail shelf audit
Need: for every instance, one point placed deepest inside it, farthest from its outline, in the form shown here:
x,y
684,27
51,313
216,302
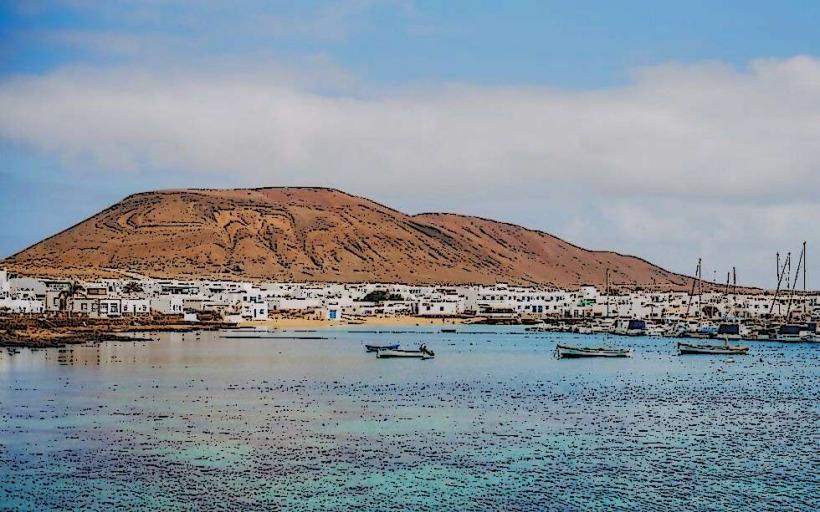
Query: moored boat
x,y
703,330
564,351
795,333
422,353
656,331
633,327
729,331
376,348
689,349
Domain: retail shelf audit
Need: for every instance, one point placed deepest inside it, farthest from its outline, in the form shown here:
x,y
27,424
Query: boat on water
x,y
444,329
733,331
564,351
538,328
730,331
422,353
376,348
725,349
703,330
633,327
795,333
656,331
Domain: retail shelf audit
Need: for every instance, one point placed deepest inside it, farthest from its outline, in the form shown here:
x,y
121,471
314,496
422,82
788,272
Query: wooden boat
x,y
376,348
422,353
686,348
563,351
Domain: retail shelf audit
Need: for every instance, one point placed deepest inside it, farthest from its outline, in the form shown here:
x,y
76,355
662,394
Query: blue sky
x,y
670,131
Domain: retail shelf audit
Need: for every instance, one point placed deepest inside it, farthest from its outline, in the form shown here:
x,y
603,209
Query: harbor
x,y
493,421
380,256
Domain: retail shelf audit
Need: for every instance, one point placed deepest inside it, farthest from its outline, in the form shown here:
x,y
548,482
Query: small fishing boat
x,y
422,353
376,348
725,349
444,329
563,351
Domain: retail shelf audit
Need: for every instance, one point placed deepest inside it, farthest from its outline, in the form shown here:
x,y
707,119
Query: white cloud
x,y
732,151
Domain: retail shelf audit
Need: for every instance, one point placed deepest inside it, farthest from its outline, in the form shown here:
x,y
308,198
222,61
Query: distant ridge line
x,y
319,234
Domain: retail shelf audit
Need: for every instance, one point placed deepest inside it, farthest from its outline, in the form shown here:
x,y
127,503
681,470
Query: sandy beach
x,y
313,323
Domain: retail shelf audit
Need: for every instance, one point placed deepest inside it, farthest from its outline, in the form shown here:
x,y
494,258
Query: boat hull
x,y
629,332
801,338
686,349
416,354
564,352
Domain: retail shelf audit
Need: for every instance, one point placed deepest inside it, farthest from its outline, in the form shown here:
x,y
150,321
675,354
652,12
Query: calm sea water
x,y
198,421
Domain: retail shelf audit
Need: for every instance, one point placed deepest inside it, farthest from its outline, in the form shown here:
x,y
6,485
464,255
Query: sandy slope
x,y
314,234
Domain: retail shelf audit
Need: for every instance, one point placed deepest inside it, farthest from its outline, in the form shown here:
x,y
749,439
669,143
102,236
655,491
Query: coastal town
x,y
191,302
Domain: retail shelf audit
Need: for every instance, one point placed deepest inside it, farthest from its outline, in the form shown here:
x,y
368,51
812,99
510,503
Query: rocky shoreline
x,y
44,331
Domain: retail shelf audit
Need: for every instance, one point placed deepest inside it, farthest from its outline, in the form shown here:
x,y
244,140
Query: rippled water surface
x,y
199,421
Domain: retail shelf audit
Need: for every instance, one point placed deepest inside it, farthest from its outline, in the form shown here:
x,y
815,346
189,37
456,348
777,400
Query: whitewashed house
x,y
255,310
167,304
5,286
333,312
438,308
23,302
135,306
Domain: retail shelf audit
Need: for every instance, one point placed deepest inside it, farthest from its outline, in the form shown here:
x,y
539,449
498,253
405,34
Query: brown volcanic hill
x,y
314,234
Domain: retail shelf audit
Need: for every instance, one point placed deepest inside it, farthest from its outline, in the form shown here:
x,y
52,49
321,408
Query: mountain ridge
x,y
319,234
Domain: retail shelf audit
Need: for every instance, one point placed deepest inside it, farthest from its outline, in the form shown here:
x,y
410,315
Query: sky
x,y
667,130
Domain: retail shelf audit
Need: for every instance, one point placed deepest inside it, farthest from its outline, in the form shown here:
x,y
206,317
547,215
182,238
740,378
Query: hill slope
x,y
314,234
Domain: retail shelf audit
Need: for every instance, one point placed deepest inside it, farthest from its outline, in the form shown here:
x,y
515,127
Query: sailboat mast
x,y
777,290
692,293
734,290
805,264
700,288
788,271
794,285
